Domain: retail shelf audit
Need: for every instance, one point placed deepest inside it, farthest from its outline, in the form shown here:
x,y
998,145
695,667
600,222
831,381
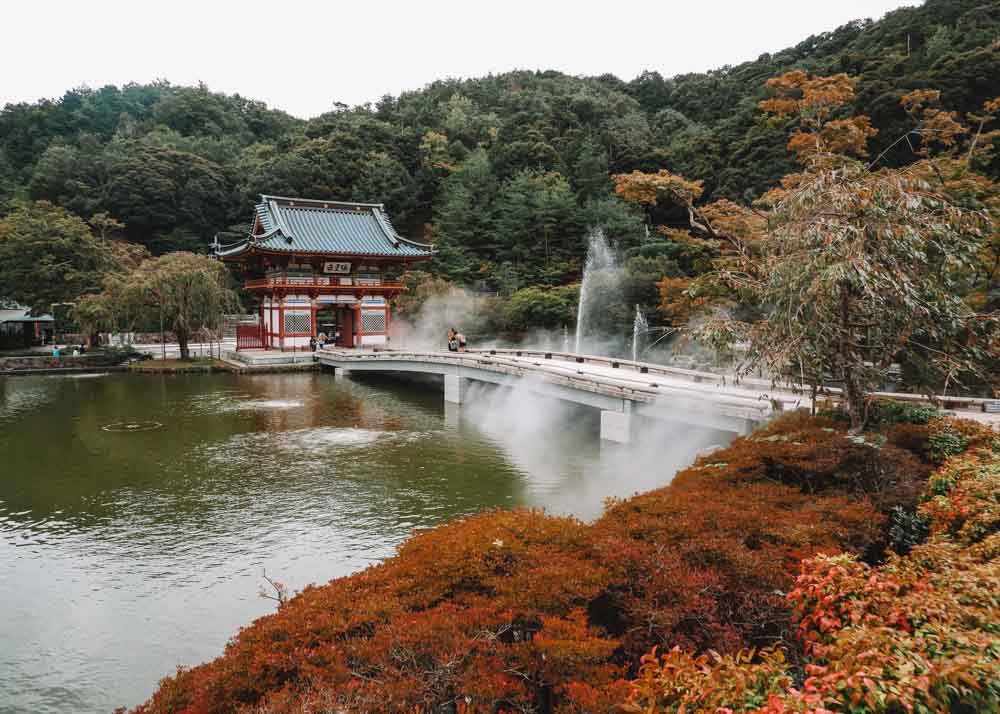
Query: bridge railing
x,y
645,388
699,376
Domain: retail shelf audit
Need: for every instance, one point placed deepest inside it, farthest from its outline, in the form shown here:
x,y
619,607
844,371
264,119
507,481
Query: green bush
x,y
946,442
885,412
907,529
542,307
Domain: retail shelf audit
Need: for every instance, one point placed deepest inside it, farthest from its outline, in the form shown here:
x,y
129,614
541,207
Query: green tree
x,y
538,220
588,172
49,256
187,292
383,179
8,182
156,190
464,218
542,307
93,313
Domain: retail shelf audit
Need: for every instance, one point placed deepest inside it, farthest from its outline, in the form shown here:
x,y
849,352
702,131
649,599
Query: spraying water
x,y
639,328
565,342
600,276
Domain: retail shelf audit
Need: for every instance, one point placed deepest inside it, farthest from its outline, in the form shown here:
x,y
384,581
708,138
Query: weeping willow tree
x,y
855,266
188,292
182,291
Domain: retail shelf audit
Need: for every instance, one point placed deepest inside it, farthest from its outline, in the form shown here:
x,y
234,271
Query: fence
x,y
250,337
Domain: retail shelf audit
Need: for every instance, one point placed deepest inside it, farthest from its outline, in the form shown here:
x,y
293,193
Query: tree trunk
x,y
853,391
855,397
182,342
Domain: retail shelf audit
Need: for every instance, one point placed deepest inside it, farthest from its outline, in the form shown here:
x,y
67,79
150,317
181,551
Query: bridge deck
x,y
590,379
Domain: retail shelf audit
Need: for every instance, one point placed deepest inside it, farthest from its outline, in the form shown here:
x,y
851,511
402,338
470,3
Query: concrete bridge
x,y
621,389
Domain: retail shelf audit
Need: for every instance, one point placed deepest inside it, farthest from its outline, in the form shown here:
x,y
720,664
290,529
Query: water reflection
x,y
124,554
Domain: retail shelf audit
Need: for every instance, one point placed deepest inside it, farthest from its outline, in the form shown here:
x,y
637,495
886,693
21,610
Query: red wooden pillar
x,y
281,323
347,327
265,327
314,309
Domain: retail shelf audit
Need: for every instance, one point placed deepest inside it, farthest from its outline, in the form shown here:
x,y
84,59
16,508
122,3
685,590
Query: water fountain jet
x,y
600,275
640,326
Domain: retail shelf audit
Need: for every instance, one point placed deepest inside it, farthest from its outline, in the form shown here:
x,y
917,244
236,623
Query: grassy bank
x,y
178,366
768,544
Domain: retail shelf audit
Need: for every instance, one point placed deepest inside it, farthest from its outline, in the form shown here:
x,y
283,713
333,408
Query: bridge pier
x,y
455,388
452,415
749,427
616,426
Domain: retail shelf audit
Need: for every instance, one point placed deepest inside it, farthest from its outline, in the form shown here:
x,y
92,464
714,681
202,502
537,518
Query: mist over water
x,y
458,309
560,443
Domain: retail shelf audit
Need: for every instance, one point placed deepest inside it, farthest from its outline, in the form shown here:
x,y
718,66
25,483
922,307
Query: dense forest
x,y
505,173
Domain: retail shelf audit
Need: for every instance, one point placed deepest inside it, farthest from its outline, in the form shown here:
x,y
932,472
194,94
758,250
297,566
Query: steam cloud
x,y
557,445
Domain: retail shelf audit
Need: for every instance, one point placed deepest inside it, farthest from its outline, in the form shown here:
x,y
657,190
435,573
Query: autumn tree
x,y
857,266
696,237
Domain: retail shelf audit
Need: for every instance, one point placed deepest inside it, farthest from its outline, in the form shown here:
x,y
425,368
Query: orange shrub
x,y
520,611
710,682
917,633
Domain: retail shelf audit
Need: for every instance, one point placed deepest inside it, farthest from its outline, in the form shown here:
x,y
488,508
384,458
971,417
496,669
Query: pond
x,y
139,513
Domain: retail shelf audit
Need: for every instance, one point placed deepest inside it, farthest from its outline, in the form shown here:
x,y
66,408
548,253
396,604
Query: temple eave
x,y
260,287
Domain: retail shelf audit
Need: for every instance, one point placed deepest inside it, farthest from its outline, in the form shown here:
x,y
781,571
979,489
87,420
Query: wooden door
x,y
346,327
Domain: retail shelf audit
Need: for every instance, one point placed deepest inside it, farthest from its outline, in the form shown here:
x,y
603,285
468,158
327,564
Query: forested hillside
x,y
504,173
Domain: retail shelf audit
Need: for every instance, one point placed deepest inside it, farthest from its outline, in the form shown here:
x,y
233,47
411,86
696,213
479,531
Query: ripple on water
x,y
269,404
132,426
23,394
228,401
311,441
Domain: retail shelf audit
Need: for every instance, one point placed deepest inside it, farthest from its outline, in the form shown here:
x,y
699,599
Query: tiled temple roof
x,y
336,228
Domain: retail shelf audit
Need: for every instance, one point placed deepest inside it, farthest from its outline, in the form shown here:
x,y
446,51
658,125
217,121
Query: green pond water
x,y
139,513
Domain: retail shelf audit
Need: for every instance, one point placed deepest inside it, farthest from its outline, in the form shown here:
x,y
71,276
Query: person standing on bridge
x,y
460,339
452,340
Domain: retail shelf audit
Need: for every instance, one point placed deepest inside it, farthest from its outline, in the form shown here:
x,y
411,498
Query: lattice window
x,y
372,321
298,322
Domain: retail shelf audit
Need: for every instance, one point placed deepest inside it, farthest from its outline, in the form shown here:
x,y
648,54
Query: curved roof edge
x,y
323,226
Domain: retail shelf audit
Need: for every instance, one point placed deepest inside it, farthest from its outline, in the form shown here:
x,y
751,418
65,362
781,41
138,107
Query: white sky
x,y
302,55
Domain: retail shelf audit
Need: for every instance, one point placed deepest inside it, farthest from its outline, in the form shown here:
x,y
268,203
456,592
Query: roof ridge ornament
x,y
300,202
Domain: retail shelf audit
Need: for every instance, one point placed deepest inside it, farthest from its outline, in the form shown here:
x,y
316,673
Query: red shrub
x,y
516,610
917,633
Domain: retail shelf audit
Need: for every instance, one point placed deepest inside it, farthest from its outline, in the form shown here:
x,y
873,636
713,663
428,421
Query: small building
x,y
20,329
320,267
